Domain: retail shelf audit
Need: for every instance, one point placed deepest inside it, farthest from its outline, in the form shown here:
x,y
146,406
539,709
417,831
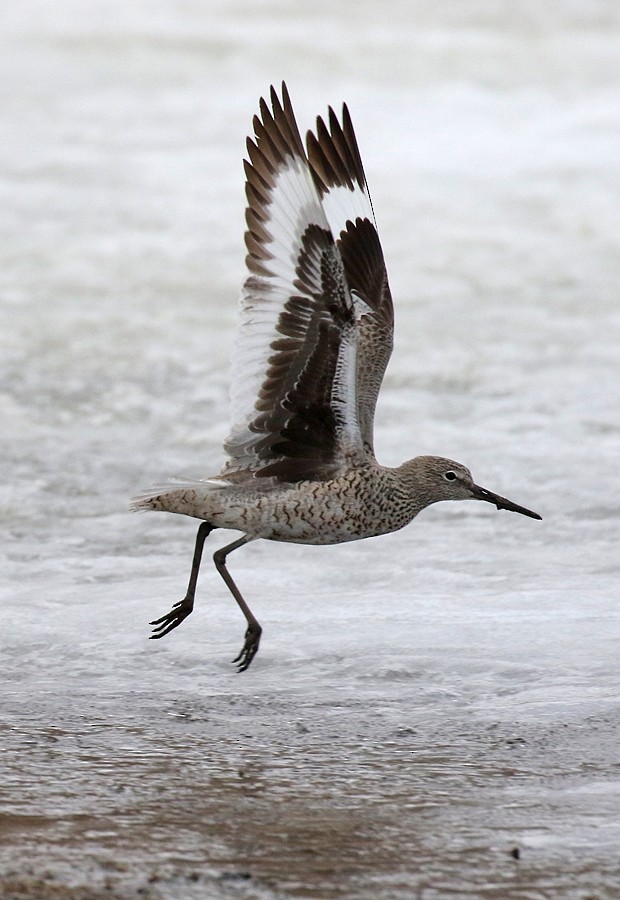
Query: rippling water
x,y
434,713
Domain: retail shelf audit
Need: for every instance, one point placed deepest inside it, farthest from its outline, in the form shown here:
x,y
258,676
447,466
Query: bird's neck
x,y
414,486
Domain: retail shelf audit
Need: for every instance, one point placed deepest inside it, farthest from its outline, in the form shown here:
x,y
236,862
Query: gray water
x,y
434,713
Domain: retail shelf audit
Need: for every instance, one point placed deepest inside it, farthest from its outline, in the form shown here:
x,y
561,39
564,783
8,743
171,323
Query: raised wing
x,y
294,395
339,176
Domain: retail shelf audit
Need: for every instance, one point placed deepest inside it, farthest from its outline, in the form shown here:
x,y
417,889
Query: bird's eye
x,y
449,476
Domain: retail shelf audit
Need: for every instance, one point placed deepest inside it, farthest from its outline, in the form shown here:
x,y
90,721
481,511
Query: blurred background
x,y
424,703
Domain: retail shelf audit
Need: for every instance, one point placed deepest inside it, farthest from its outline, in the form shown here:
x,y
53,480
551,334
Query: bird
x,y
315,338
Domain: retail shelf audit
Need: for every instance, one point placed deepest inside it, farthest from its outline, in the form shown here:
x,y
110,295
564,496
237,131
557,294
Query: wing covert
x,y
294,395
338,173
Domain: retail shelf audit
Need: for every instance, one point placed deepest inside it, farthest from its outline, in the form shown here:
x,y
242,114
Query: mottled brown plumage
x,y
315,338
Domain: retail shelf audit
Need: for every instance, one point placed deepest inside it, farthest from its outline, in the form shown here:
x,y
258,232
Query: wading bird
x,y
314,341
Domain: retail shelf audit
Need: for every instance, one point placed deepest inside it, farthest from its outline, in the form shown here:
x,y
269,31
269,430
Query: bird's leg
x,y
183,608
253,631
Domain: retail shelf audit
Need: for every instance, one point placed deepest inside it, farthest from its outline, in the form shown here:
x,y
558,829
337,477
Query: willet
x,y
315,339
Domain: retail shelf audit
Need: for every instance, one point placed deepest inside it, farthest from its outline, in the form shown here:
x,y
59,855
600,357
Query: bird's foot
x,y
250,647
165,624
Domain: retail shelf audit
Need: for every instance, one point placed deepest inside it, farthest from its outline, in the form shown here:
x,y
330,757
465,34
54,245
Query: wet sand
x,y
278,796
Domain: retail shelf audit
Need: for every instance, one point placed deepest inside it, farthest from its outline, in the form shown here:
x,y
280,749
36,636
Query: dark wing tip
x,y
286,99
334,154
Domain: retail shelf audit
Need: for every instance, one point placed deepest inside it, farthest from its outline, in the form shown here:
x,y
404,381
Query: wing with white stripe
x,y
339,176
294,395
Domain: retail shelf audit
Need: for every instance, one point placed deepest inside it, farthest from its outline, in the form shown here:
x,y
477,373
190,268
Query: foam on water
x,y
449,680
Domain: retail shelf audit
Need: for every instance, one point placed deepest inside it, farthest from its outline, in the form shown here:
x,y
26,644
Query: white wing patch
x,y
341,205
344,395
312,250
294,204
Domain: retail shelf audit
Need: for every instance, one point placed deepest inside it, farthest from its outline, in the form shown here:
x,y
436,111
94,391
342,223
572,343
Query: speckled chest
x,y
359,504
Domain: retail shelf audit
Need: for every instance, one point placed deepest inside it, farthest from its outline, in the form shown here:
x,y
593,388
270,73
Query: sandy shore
x,y
272,797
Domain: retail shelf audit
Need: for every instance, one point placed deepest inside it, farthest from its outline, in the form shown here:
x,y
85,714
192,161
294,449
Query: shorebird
x,y
314,341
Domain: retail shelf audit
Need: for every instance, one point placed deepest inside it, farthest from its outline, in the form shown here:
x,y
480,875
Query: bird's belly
x,y
308,514
348,508
305,532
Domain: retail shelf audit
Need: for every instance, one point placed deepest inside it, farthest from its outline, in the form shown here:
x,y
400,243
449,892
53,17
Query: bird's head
x,y
443,479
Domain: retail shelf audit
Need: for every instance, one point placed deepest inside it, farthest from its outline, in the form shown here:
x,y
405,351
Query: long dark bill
x,y
481,493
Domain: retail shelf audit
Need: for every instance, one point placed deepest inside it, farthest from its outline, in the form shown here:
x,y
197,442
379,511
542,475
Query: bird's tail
x,y
170,496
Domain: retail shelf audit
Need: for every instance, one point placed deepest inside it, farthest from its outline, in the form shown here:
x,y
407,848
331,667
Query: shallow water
x,y
432,714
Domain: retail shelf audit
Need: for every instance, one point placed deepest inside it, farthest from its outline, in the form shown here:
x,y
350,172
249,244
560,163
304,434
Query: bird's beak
x,y
480,493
